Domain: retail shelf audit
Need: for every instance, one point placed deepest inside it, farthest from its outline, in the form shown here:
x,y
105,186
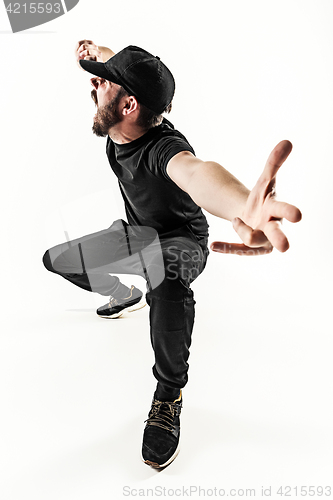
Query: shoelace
x,y
162,414
114,302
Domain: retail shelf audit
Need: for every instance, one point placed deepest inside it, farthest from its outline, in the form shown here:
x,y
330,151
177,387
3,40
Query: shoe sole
x,y
155,465
133,308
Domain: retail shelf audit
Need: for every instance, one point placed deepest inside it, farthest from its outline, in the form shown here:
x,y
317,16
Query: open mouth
x,y
94,97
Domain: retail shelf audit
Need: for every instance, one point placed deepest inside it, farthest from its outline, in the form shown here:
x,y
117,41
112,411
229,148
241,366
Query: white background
x,y
75,390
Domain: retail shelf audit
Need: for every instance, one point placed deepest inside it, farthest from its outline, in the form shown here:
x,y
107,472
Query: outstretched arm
x,y
87,49
210,185
256,214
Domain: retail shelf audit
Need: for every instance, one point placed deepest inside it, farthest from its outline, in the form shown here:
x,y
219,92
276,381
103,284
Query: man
x,y
164,187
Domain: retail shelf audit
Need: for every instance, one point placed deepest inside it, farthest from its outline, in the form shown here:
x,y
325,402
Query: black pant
x,y
169,266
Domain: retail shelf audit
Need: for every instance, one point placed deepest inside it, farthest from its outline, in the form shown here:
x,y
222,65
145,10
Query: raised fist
x,y
87,49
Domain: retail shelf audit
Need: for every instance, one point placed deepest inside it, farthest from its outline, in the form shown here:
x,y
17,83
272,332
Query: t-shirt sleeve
x,y
165,149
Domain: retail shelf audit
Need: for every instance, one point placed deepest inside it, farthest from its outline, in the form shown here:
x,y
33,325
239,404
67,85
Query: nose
x,y
95,82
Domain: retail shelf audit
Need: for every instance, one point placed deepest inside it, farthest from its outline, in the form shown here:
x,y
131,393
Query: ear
x,y
130,105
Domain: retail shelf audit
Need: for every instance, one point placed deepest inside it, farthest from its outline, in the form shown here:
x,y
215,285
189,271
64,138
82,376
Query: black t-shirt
x,y
151,197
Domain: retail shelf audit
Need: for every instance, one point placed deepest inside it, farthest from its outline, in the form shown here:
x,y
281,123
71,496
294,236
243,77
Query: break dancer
x,y
164,186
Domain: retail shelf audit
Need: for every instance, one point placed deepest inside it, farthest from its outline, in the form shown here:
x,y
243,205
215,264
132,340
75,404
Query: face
x,y
106,97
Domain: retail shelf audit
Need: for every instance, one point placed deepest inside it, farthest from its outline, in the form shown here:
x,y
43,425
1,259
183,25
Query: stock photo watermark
x,y
198,491
23,15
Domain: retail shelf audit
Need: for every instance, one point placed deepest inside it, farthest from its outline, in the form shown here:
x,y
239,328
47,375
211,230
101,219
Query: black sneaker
x,y
161,435
116,307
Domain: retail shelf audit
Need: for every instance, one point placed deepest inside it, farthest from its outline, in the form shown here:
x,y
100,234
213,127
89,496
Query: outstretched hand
x,y
260,224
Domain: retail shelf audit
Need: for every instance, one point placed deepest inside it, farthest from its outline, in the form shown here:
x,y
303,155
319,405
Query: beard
x,y
106,116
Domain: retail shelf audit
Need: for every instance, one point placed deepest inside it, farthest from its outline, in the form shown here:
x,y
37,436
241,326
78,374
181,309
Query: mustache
x,y
94,96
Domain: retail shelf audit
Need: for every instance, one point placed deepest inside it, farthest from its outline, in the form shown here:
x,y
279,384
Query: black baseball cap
x,y
140,73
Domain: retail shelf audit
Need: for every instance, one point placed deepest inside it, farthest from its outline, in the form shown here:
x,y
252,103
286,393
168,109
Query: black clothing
x,y
165,242
87,261
151,198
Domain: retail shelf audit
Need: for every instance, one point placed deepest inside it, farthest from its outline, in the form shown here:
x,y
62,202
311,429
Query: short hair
x,y
147,118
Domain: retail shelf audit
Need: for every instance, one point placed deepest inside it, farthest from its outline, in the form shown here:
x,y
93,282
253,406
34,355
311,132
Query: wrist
x,y
106,53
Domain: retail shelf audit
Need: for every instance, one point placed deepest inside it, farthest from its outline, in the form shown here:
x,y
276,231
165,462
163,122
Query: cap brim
x,y
97,69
